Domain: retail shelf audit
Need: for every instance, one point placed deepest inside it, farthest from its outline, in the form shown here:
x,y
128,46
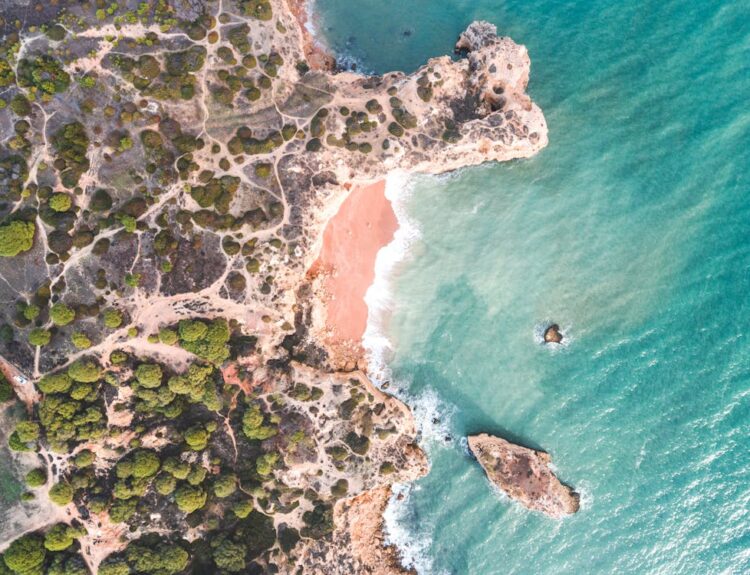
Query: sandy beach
x,y
363,225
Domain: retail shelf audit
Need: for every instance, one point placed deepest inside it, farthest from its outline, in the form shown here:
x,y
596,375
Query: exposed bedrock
x,y
524,475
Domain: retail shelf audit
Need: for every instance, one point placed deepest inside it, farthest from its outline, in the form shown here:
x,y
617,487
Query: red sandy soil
x,y
364,223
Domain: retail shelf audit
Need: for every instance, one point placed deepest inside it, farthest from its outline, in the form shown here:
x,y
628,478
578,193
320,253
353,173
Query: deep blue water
x,y
632,231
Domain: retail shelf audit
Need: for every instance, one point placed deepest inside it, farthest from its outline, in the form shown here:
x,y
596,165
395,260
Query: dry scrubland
x,y
166,169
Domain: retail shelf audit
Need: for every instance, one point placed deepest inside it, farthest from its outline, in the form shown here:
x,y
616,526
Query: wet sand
x,y
364,223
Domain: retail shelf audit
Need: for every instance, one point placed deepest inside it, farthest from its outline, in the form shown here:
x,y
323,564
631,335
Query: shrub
x,y
36,477
61,314
84,458
197,438
6,389
60,202
230,556
28,431
60,537
25,555
61,494
243,508
225,485
56,383
43,73
16,237
84,371
80,340
192,330
149,375
168,336
189,498
39,336
112,318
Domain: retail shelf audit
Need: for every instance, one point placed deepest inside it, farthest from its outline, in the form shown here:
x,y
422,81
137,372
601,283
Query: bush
x,y
192,330
112,318
36,477
84,458
39,336
168,336
28,431
149,375
61,314
43,73
84,371
114,568
243,508
189,498
25,555
6,389
16,237
60,202
225,485
230,556
61,494
56,383
197,438
80,340
60,537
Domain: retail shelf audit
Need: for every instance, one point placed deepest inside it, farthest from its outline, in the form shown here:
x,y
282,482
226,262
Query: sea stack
x,y
524,475
552,334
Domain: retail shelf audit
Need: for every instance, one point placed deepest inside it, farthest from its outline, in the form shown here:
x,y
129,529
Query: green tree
x,y
61,314
84,458
61,494
55,383
36,477
192,330
164,559
149,375
114,568
16,237
39,336
60,537
225,485
84,371
253,424
60,202
6,389
243,508
25,555
168,336
80,340
31,311
197,438
230,556
112,318
28,431
165,484
265,463
189,498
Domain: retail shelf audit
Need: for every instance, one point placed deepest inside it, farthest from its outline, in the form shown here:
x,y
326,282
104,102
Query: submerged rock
x,y
524,475
552,334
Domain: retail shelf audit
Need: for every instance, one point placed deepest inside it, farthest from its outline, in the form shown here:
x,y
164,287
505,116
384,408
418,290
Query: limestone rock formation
x,y
524,475
552,334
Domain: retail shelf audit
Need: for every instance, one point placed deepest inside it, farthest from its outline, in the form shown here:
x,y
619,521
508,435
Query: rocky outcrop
x,y
552,334
524,475
358,544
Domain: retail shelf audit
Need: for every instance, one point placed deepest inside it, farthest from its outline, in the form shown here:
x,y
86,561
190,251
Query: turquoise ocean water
x,y
632,231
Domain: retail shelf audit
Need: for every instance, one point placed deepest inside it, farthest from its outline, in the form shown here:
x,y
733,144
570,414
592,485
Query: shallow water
x,y
630,231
